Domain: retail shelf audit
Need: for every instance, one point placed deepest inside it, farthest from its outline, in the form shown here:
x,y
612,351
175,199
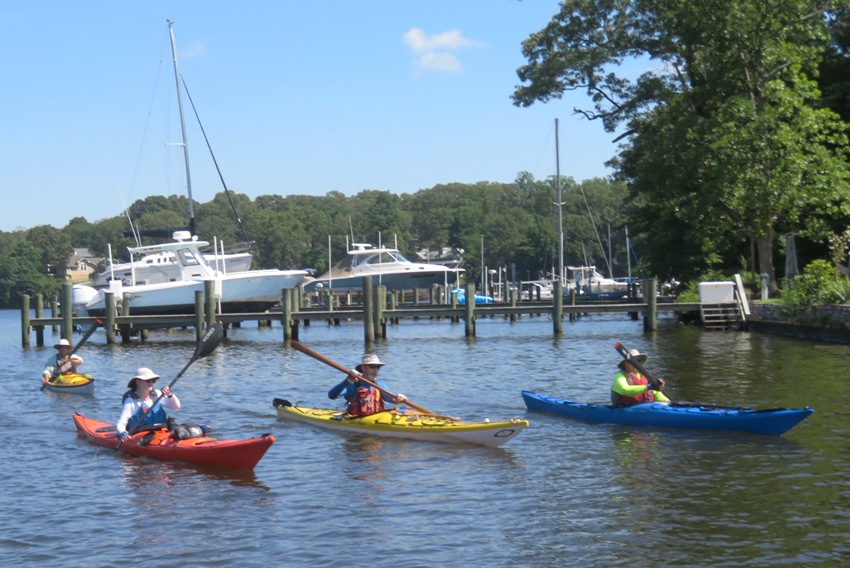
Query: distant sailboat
x,y
187,270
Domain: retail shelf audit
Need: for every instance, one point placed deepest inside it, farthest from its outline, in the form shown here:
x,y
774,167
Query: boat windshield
x,y
188,257
383,257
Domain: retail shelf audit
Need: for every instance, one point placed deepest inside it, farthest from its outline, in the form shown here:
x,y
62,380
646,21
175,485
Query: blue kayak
x,y
774,421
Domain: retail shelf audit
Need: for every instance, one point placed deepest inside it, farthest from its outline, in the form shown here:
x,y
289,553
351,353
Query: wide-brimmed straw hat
x,y
62,343
144,374
635,355
371,359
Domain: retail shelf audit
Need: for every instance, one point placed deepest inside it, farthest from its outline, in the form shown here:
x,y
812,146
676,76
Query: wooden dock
x,y
374,312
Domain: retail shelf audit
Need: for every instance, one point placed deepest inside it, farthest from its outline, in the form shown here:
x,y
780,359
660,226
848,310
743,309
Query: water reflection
x,y
365,462
149,479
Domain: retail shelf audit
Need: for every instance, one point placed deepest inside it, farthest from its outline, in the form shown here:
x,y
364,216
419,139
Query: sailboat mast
x,y
560,206
182,128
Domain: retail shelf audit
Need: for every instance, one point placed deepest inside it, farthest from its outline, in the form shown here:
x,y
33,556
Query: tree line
x,y
515,223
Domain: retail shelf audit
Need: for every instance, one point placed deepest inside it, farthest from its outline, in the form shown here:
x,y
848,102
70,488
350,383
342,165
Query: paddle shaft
x,y
636,364
85,337
207,344
318,356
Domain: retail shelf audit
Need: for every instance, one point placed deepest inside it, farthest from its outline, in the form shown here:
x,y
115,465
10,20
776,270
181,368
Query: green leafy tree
x,y
724,137
54,248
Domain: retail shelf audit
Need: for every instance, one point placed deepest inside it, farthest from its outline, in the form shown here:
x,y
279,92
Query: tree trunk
x,y
765,254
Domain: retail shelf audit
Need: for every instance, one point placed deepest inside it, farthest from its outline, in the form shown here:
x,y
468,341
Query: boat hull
x,y
234,454
691,416
244,292
71,383
390,424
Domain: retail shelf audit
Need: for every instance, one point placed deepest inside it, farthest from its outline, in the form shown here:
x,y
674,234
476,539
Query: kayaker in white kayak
x,y
136,410
62,363
363,399
631,387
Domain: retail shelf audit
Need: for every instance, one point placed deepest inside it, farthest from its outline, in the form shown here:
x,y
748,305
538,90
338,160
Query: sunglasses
x,y
373,366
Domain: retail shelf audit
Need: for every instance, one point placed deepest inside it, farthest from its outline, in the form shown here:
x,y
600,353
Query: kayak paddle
x,y
307,351
207,344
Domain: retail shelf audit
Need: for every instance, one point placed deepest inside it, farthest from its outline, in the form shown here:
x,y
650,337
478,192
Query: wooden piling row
x,y
293,313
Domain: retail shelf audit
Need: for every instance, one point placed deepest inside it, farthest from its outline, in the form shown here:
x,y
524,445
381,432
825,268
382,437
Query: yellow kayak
x,y
71,383
391,424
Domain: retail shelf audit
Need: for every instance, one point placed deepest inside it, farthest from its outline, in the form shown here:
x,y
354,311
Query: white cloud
x,y
435,51
194,50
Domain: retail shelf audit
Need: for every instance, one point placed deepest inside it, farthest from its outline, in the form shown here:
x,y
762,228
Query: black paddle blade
x,y
212,337
278,402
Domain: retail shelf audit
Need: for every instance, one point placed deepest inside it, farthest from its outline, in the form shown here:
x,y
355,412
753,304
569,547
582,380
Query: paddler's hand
x,y
166,392
399,398
124,436
352,377
660,384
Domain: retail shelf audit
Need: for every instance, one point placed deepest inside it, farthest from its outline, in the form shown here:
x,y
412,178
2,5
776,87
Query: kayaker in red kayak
x,y
62,363
363,399
136,410
631,387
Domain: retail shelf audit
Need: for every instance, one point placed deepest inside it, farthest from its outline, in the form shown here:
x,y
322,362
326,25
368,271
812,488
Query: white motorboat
x,y
159,267
238,292
592,285
386,267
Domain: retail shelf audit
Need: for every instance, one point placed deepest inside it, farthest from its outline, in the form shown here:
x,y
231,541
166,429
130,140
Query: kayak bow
x,y
70,383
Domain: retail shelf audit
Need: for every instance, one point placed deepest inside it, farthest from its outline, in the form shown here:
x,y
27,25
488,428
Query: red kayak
x,y
160,444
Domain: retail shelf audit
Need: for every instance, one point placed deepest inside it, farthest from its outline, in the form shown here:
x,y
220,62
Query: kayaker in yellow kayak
x,y
136,409
364,399
632,387
62,363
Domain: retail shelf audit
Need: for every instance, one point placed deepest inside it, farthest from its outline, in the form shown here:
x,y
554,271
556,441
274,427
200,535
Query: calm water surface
x,y
564,493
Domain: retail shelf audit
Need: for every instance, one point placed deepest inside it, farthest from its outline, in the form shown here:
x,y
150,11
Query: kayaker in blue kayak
x,y
362,398
631,387
136,408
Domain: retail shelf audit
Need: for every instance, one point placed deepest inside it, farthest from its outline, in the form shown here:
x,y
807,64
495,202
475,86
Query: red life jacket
x,y
365,401
645,396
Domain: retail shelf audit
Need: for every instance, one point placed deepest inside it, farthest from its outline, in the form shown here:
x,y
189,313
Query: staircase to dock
x,y
724,305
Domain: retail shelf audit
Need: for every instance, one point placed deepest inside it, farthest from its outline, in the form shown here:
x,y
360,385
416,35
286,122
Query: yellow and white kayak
x,y
71,383
391,424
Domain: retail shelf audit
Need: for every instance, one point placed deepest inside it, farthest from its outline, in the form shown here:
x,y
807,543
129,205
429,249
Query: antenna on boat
x,y
351,229
182,127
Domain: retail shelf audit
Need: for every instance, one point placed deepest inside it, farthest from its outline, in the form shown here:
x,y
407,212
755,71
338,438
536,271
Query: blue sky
x,y
295,97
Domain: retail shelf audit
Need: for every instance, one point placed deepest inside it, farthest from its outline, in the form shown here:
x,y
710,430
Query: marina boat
x,y
239,292
774,421
70,383
183,270
158,267
590,284
386,267
158,443
391,424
